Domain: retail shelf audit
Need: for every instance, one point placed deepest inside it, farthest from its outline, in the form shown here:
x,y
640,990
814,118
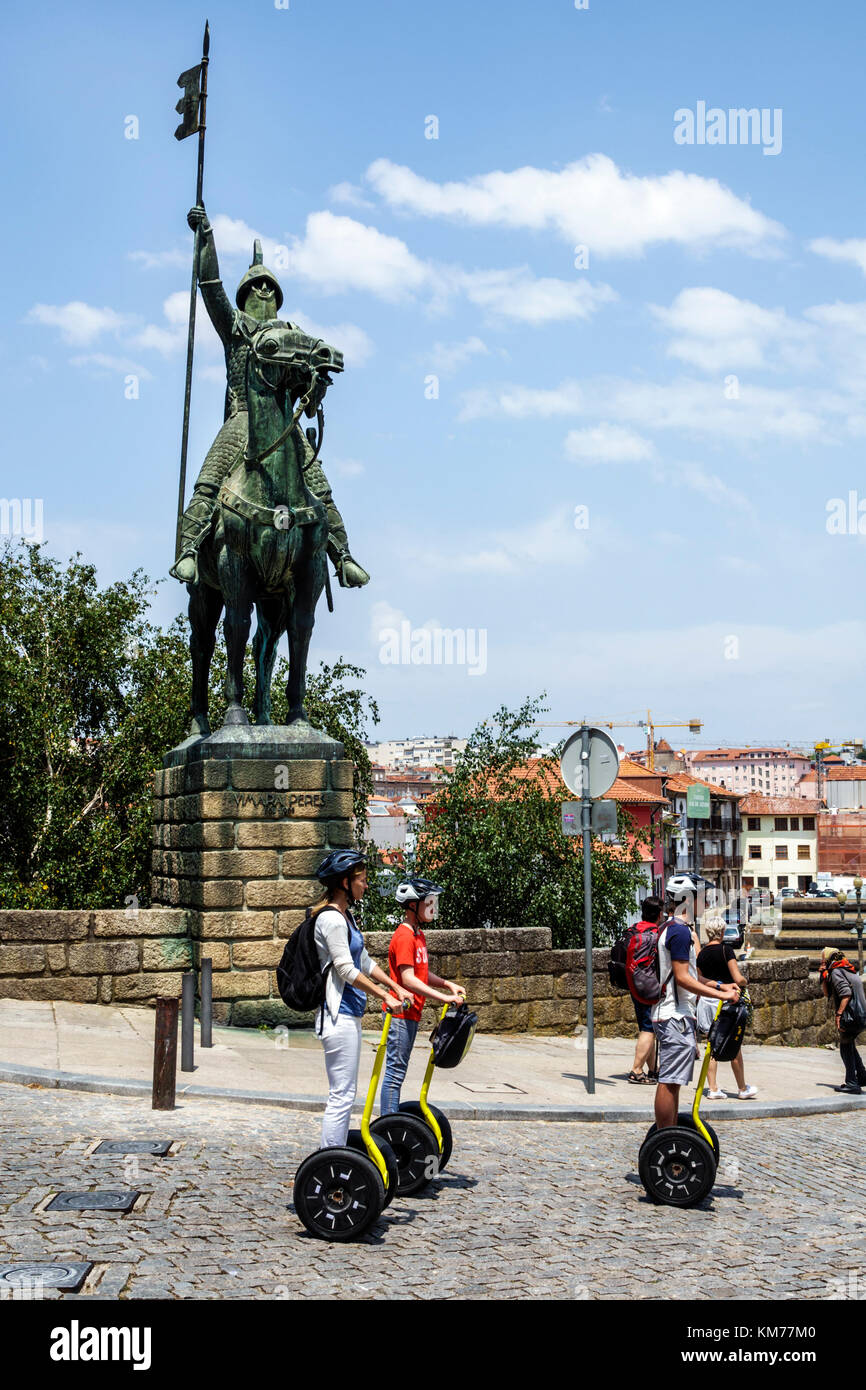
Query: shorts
x,y
644,1015
676,1044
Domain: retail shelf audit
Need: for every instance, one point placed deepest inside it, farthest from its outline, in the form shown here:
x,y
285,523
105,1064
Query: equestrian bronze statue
x,y
261,521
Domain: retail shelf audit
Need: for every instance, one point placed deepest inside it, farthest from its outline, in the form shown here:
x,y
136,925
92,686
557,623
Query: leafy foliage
x,y
92,695
493,839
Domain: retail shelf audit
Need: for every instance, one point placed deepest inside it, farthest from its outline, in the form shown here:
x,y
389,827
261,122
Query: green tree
x,y
492,837
92,695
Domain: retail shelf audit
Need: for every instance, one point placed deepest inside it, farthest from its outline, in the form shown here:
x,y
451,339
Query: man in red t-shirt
x,y
408,965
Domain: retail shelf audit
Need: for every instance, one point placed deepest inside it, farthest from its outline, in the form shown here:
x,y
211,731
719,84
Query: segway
x,y
677,1164
340,1192
419,1133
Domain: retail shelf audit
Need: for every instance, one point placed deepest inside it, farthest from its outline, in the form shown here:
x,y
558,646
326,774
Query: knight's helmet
x,y
257,271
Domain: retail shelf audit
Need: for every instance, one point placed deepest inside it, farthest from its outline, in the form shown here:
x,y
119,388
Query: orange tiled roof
x,y
628,791
681,781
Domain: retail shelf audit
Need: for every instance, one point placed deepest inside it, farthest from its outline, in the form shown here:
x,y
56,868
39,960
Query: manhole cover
x,y
157,1147
61,1276
93,1201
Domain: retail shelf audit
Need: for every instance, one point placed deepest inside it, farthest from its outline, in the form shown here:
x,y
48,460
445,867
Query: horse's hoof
x,y
200,726
235,714
298,715
264,719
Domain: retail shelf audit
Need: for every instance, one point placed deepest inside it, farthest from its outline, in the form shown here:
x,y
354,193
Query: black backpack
x,y
301,980
617,960
452,1036
727,1031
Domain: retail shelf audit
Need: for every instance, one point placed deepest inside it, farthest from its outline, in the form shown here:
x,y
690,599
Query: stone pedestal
x,y
241,821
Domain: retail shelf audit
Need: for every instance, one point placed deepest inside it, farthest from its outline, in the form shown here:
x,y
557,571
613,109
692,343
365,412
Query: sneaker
x,y
717,1095
749,1093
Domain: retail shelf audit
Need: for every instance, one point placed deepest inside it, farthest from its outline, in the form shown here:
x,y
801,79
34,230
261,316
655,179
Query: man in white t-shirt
x,y
674,1015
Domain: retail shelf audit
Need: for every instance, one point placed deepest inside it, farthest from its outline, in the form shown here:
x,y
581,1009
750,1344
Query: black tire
x,y
413,1107
685,1121
677,1166
338,1194
415,1148
355,1140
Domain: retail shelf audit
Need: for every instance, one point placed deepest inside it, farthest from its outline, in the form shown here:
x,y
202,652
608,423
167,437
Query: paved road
x,y
524,1211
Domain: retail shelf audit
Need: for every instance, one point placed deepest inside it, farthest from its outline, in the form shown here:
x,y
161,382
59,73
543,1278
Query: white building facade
x,y
779,839
768,771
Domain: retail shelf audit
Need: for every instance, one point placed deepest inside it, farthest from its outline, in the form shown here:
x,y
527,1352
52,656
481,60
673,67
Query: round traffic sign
x,y
598,771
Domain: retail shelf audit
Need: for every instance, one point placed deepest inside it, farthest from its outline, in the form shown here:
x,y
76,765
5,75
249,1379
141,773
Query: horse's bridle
x,y
261,361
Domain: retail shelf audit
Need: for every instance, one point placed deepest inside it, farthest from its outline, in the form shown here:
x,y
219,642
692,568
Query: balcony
x,y
721,861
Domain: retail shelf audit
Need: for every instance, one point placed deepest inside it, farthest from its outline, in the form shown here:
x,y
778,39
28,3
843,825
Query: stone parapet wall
x,y
514,979
105,957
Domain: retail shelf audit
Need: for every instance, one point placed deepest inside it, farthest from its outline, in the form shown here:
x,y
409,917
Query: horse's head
x,y
287,358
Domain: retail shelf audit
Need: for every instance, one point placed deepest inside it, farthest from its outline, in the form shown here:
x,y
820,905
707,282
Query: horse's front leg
x,y
205,606
236,583
309,578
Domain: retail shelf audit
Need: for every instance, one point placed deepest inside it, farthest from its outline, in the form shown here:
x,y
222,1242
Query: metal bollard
x,y
164,1054
187,1023
206,1002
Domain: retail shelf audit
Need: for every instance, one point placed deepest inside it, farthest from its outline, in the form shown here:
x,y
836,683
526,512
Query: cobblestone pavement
x,y
524,1211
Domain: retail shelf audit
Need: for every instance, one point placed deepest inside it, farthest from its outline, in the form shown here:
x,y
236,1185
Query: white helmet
x,y
415,890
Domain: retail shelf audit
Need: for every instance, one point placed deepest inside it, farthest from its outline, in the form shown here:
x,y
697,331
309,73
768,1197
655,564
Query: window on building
x,y
754,823
782,881
803,851
808,822
781,851
748,883
763,883
795,822
754,851
781,823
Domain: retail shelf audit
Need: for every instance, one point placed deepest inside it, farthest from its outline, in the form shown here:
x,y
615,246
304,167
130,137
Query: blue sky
x,y
697,386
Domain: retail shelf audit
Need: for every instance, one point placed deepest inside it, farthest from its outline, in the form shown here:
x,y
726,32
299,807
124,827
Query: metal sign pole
x,y
586,815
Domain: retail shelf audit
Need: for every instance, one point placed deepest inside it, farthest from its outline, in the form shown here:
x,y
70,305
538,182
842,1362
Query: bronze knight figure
x,y
258,300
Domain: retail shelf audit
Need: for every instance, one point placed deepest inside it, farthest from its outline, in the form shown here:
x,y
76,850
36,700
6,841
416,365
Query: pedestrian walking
x,y
353,975
841,982
409,966
645,1047
717,964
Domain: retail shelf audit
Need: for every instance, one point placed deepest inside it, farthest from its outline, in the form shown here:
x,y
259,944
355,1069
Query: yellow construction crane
x,y
694,726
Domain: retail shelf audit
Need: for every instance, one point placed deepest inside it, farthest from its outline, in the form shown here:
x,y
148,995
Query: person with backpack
x,y
409,966
674,1011
351,975
717,962
841,982
637,944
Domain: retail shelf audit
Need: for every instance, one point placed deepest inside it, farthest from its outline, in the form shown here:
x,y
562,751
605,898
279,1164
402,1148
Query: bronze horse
x,y
267,542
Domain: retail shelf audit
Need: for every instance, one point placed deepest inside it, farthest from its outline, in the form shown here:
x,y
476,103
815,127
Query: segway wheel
x,y
677,1166
355,1140
685,1121
413,1107
338,1194
415,1149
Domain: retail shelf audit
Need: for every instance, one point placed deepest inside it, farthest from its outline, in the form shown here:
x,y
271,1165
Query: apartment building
x,y
704,847
417,752
768,771
779,839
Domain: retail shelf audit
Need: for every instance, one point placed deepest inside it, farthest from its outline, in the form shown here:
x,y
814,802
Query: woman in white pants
x,y
352,976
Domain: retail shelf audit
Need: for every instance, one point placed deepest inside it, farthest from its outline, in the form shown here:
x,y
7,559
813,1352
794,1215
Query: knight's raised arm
x,y
216,300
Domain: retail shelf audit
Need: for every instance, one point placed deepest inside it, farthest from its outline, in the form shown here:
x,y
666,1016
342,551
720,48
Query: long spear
x,y
192,107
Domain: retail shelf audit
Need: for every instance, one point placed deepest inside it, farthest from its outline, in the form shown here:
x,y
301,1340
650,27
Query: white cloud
x,y
340,253
694,407
79,323
106,362
349,194
551,541
158,260
517,294
716,331
447,358
852,250
607,443
590,201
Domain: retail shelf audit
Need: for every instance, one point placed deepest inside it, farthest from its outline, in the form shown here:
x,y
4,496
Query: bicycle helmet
x,y
415,890
340,862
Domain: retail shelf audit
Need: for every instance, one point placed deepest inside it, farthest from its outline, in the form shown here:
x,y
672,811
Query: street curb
x,y
564,1114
